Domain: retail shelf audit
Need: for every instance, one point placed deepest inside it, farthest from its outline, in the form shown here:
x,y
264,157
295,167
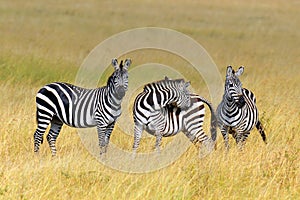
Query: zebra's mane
x,y
121,65
164,82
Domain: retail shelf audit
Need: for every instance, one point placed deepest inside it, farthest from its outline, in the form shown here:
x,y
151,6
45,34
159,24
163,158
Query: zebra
x,y
172,117
237,113
61,103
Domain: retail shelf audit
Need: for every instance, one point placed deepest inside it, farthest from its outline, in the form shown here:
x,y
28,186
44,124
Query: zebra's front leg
x,y
108,132
158,141
240,139
101,136
138,130
224,131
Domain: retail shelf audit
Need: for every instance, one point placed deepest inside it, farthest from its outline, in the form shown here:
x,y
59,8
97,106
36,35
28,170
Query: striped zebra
x,y
169,118
237,113
62,103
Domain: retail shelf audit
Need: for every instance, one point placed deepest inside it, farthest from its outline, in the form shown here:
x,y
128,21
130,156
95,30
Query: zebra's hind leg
x,y
204,143
53,134
43,120
260,128
158,142
138,129
207,146
38,138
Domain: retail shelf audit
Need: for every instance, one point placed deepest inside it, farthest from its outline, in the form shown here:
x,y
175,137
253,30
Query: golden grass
x,y
47,41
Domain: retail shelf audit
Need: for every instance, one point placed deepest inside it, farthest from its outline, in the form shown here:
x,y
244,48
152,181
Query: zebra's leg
x,y
43,120
138,129
260,128
207,146
52,136
108,131
224,131
158,142
241,139
101,136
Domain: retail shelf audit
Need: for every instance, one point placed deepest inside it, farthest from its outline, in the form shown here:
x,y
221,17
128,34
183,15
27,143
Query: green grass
x,y
34,71
43,42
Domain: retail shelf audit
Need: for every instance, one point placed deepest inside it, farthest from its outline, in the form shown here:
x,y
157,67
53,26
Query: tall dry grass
x,y
47,41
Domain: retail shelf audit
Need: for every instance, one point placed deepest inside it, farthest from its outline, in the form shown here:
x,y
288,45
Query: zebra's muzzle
x,y
120,92
241,101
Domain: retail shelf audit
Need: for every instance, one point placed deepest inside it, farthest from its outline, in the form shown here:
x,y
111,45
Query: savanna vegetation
x,y
45,41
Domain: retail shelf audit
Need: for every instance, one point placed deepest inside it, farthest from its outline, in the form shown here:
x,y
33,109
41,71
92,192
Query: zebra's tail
x,y
260,128
213,120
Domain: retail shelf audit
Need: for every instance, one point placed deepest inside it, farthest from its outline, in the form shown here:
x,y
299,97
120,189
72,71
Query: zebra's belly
x,y
163,129
86,122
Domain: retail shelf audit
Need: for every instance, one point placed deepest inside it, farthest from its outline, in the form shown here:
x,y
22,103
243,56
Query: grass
x,y
45,42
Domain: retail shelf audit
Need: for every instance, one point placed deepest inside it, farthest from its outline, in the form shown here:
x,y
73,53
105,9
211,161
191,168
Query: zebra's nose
x,y
121,92
241,101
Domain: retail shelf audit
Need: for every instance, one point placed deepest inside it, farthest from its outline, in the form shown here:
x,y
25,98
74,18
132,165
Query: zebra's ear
x,y
240,71
167,78
114,63
127,63
229,71
187,84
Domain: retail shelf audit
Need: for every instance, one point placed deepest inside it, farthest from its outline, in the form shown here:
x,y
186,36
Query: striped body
x,y
237,113
75,106
62,103
168,119
241,119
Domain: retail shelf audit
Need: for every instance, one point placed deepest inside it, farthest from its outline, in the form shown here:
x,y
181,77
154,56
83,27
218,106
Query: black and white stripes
x,y
63,103
237,113
164,108
167,116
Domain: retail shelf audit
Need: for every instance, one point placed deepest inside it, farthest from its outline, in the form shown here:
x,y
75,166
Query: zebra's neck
x,y
160,101
112,97
169,100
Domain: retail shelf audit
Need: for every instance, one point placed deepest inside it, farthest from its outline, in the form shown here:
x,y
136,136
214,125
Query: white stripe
x,y
46,99
43,115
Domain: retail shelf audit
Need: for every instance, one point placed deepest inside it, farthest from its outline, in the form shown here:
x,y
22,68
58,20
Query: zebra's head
x,y
118,81
183,100
233,85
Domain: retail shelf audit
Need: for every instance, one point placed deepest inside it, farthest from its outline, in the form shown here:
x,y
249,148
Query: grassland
x,y
44,41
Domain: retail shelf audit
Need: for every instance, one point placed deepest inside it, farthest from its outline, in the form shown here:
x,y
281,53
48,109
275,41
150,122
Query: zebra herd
x,y
164,108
